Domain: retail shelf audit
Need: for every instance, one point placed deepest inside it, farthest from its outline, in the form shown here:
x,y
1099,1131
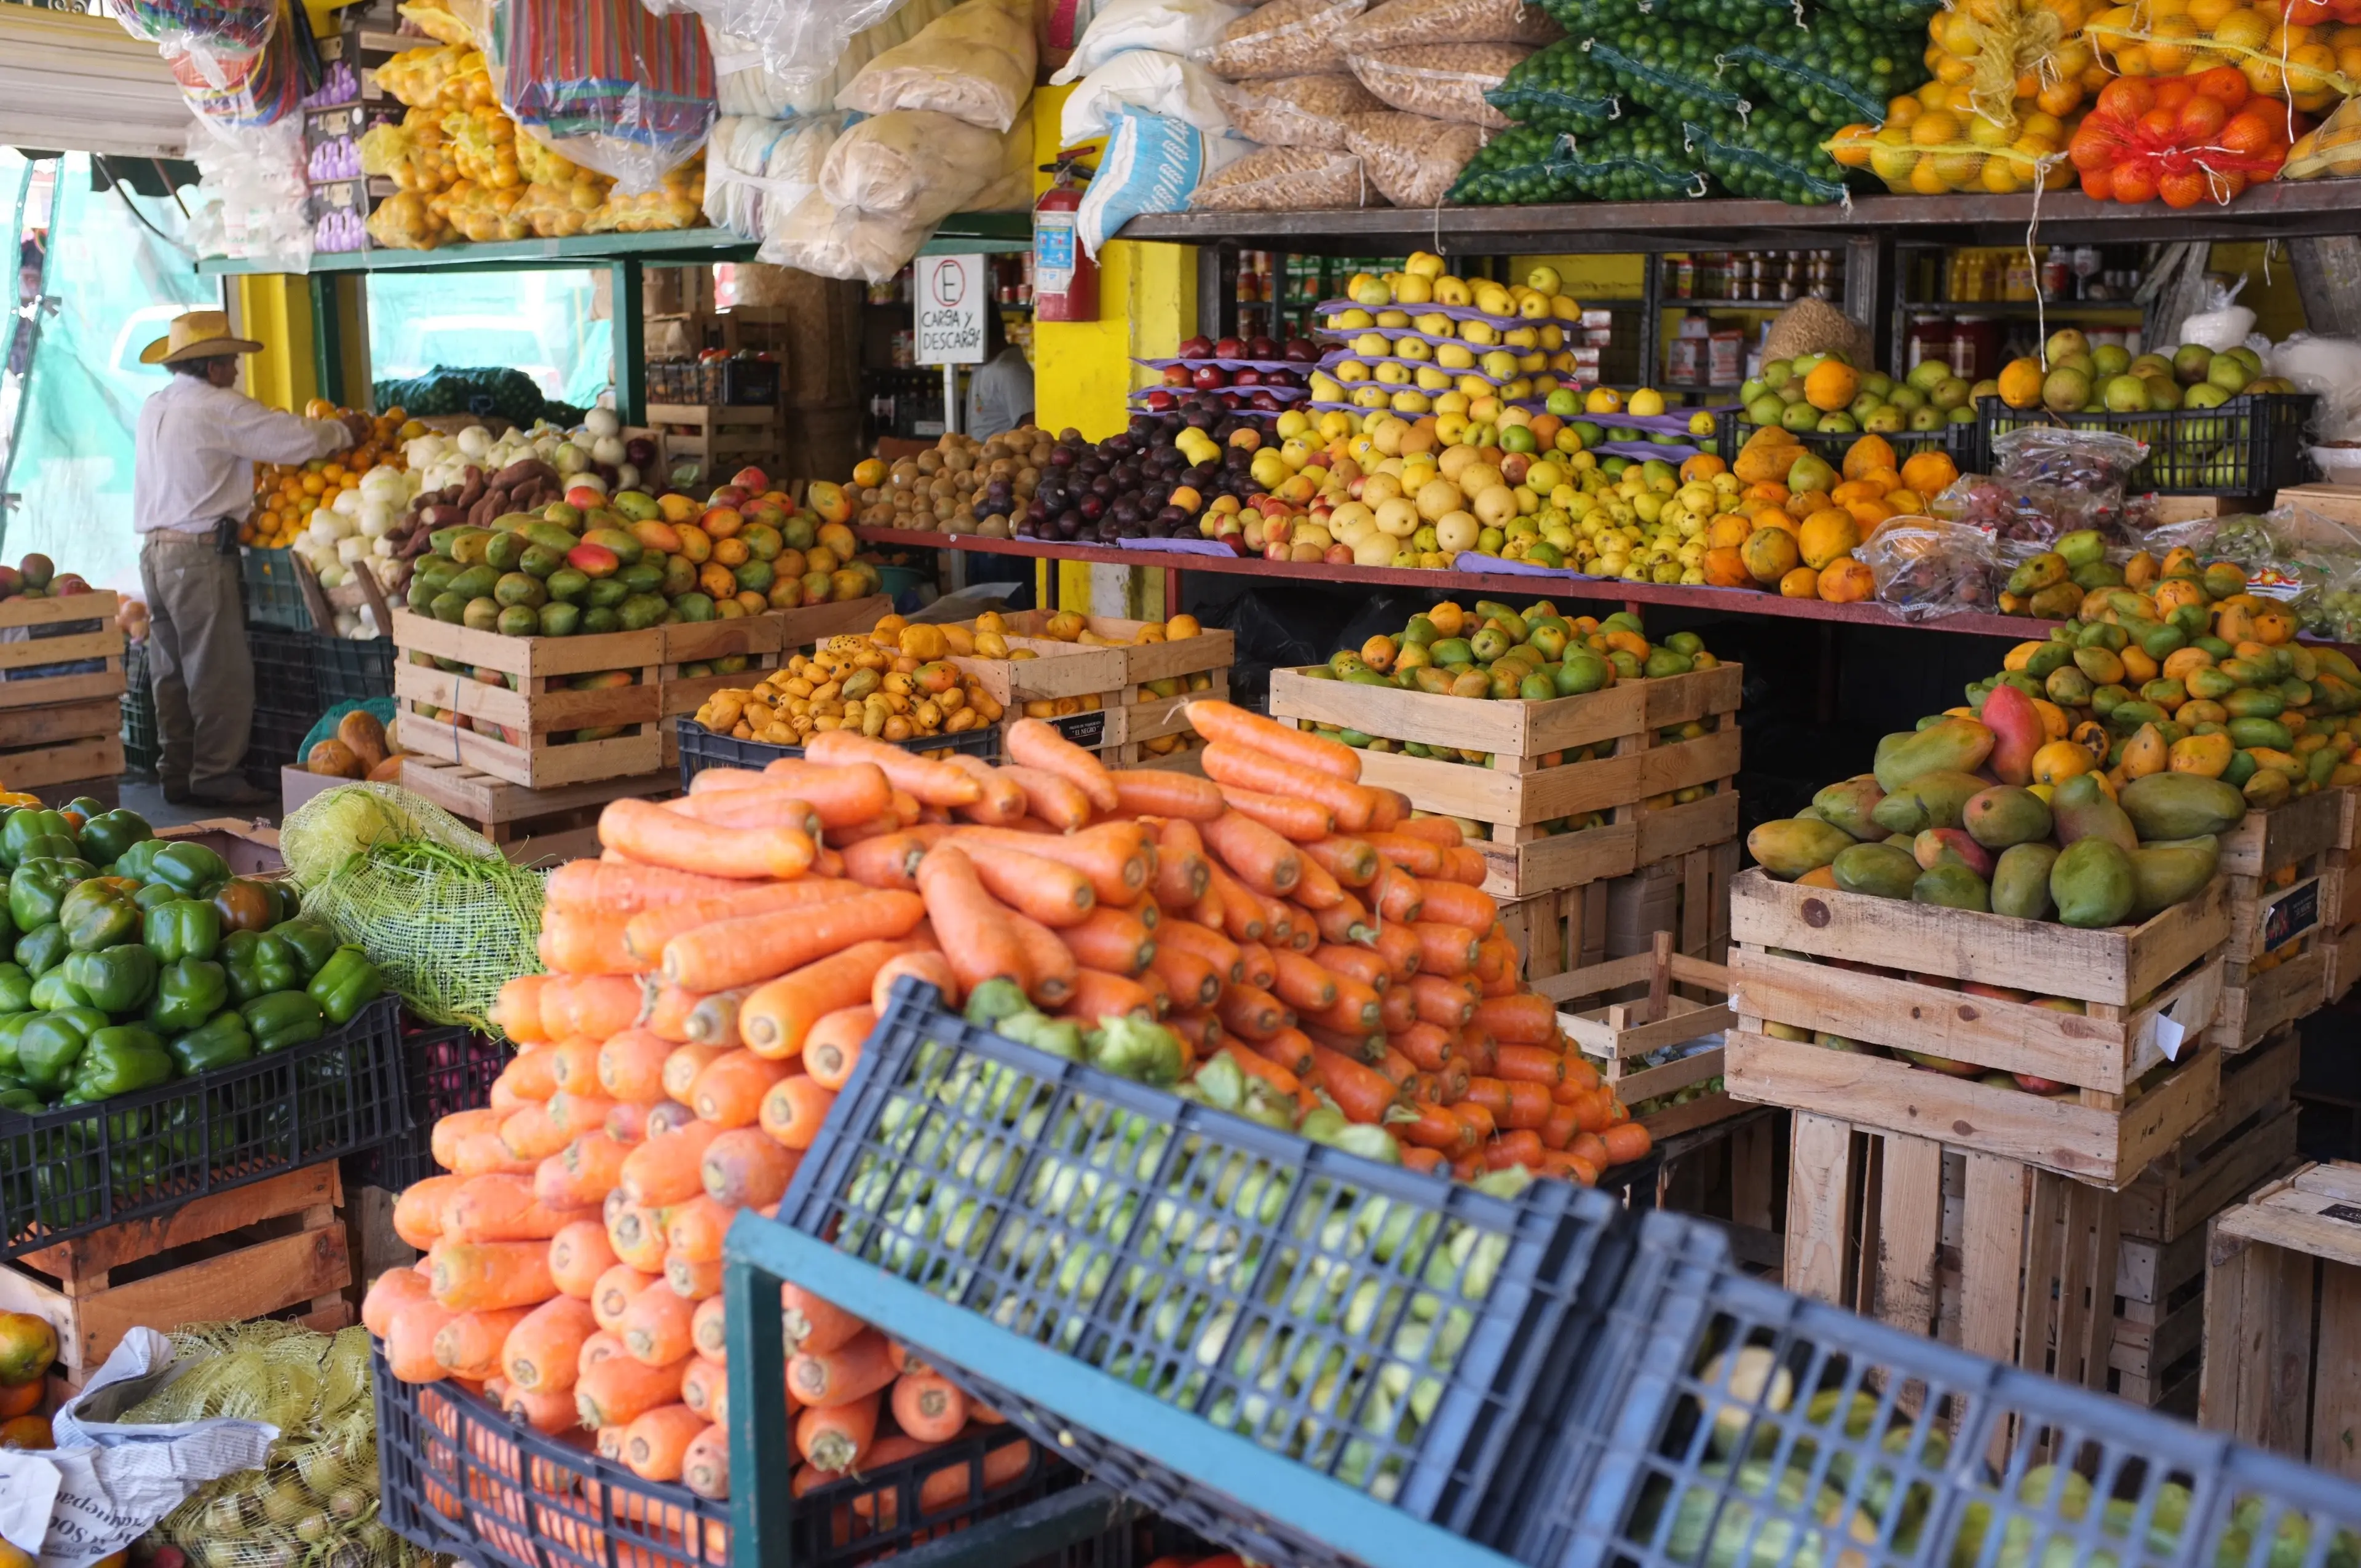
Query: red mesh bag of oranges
x,y
2183,140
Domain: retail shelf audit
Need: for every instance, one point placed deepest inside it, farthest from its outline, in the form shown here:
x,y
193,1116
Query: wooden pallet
x,y
531,705
528,825
263,1250
2282,1332
2140,987
94,636
2248,1138
1520,790
1566,928
2284,894
1732,1173
1616,1034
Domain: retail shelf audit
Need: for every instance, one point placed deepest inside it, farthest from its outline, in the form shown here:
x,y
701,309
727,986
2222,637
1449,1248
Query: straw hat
x,y
199,335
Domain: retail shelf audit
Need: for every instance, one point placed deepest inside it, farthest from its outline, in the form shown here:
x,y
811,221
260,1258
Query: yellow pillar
x,y
276,310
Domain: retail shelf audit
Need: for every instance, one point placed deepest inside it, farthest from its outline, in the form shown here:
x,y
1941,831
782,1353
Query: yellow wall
x,y
276,310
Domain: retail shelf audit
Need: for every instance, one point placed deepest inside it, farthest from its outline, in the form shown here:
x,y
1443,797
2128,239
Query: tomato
x,y
2133,183
2185,188
2225,83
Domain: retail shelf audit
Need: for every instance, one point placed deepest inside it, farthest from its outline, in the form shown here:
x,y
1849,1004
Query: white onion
x,y
475,441
604,424
607,449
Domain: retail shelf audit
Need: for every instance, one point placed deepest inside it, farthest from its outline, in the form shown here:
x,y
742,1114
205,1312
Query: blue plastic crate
x,y
273,597
701,749
1351,1323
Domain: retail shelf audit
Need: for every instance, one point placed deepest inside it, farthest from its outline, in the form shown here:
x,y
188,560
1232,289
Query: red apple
x,y
1337,555
1248,377
1302,350
1262,348
1160,401
1513,467
1209,377
1264,402
1230,348
1197,349
1177,375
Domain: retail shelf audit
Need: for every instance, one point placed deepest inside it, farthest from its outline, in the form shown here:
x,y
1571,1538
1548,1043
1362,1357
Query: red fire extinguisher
x,y
1065,281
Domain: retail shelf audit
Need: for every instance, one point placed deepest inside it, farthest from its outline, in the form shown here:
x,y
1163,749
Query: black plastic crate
x,y
450,1466
142,747
272,596
1961,443
1279,1291
445,1068
349,669
67,1172
286,701
749,382
2251,445
1724,1420
675,381
701,749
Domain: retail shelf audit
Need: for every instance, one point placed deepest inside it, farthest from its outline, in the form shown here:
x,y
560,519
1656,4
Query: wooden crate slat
x,y
61,721
98,758
488,802
582,655
1512,728
76,1259
2166,1210
582,761
45,690
103,644
2282,1331
536,712
99,604
2251,1011
2266,840
1493,794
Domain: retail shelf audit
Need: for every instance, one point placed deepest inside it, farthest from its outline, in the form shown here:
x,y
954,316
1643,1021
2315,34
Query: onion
x,y
602,424
607,449
475,441
570,458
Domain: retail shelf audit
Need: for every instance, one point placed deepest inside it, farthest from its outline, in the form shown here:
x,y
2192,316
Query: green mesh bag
x,y
1680,74
439,909
1522,166
1638,158
1560,87
1776,156
1838,71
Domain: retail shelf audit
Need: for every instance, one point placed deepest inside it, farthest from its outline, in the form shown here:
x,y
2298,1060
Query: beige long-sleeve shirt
x,y
196,447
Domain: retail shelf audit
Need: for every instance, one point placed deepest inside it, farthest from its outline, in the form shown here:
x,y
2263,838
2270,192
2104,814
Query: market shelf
x,y
1733,601
2274,211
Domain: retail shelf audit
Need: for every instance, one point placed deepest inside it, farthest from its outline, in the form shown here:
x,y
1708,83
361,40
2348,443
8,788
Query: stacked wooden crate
x,y
537,711
1119,697
2340,901
2284,895
720,438
60,690
1618,1033
704,657
1550,882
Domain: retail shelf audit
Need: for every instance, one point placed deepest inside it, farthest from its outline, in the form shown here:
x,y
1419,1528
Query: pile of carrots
x,y
714,975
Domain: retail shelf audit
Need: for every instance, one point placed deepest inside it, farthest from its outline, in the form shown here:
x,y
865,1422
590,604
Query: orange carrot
x,y
1350,860
1395,895
1190,979
637,1236
834,1045
1437,1127
1098,994
578,1115
1361,963
1227,723
1357,1008
621,1388
1302,985
1416,856
1455,903
553,1414
1400,1069
1199,1030
668,1011
692,1279
1524,1020
1180,874
703,1380
1425,1044
1565,1121
578,1255
831,1378
585,941
471,1277
615,1292
793,1109
503,1209
970,924
746,948
842,795
458,1125
1052,893
1466,865
516,1011
694,1229
648,932
652,836
1289,1049
775,1019
626,1124
1315,890
393,1289
1440,831
709,1329
813,1324
1052,796
410,1334
630,1065
1110,940
1362,1093
1345,923
1034,744
589,1006
1444,949
1626,1141
1396,1010
1252,1013
729,1092
1400,947
927,1408
1159,996
1112,854
1251,853
1225,955
581,1173
1260,965
1425,1161
1237,766
1001,799
418,1212
1155,792
667,1168
1299,821
1443,1000
1050,962
777,807
655,1329
657,1442
887,861
611,888
704,1464
1256,1065
930,968
542,1352
480,1153
1523,1146
1361,1045
1243,916
836,1438
1543,1064
932,783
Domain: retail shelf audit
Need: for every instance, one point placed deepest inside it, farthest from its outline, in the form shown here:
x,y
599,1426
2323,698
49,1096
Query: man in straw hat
x,y
194,477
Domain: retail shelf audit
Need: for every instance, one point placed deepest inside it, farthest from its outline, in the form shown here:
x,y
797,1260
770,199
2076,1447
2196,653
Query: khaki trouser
x,y
197,659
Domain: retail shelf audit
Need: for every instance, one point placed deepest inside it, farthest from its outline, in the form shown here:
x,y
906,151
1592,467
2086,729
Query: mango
x,y
1950,846
2248,733
2083,810
1935,800
2254,702
2163,875
1849,804
2020,881
2264,788
1952,887
1818,876
1789,847
2017,733
1881,871
2059,761
2145,752
2068,687
2100,664
1949,745
2004,815
2182,806
2092,884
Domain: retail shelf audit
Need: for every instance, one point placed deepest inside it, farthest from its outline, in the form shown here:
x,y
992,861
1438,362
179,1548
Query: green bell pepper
x,y
188,992
97,914
56,990
23,1099
346,984
283,1018
106,835
192,868
258,963
47,1049
41,950
152,894
222,1040
24,825
10,1027
310,941
119,1059
116,980
182,929
284,899
16,989
136,861
36,889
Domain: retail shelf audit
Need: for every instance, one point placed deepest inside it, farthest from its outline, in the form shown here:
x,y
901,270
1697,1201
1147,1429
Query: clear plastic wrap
x,y
1296,111
608,84
802,42
745,84
975,64
1147,81
2063,457
249,202
1399,23
1185,27
757,171
1442,81
1277,179
2024,519
1413,161
218,43
1925,567
1286,37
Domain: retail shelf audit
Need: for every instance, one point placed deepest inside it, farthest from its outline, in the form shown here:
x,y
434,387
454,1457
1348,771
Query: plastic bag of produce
x,y
1442,81
1399,22
975,64
918,165
1925,567
2136,145
1775,157
2331,150
1682,75
1562,88
745,84
1286,37
1412,160
1836,72
2085,462
756,171
1150,82
831,241
1522,166
1296,111
1153,164
2287,63
1277,178
1185,27
1950,161
610,85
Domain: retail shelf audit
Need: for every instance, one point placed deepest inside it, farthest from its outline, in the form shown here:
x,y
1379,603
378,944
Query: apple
x,y
1229,348
1275,549
1197,349
1266,403
1337,555
1248,377
1301,351
2034,1083
1514,466
1208,378
1177,375
1160,401
1262,348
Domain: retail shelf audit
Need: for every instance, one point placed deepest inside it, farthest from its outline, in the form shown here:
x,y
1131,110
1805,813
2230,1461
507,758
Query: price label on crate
x,y
950,306
1085,729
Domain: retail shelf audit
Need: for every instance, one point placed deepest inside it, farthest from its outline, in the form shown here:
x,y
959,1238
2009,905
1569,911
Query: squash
x,y
334,759
364,735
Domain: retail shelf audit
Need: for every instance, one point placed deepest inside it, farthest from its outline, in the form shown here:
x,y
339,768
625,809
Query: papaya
x,y
2182,804
1818,876
2017,733
1849,803
2092,884
2165,873
1934,800
1951,846
1953,886
2020,881
2083,809
1949,745
1881,871
2003,815
1790,847
2266,788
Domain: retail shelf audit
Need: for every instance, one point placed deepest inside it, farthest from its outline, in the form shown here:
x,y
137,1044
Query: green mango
x,y
1582,672
2081,810
1881,871
505,551
2092,884
1789,847
1952,886
2003,815
1849,803
1949,745
477,582
2254,702
1934,800
2020,882
2163,875
551,537
2247,733
2182,806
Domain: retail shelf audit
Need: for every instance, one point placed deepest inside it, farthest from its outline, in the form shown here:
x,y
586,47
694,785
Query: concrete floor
x,y
147,797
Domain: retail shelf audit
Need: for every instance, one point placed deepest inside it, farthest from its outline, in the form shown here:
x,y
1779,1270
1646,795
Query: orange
x,y
27,1345
26,1432
1831,383
23,1399
1929,472
1803,583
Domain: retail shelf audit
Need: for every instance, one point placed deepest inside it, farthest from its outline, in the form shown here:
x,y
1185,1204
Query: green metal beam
x,y
327,339
630,329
